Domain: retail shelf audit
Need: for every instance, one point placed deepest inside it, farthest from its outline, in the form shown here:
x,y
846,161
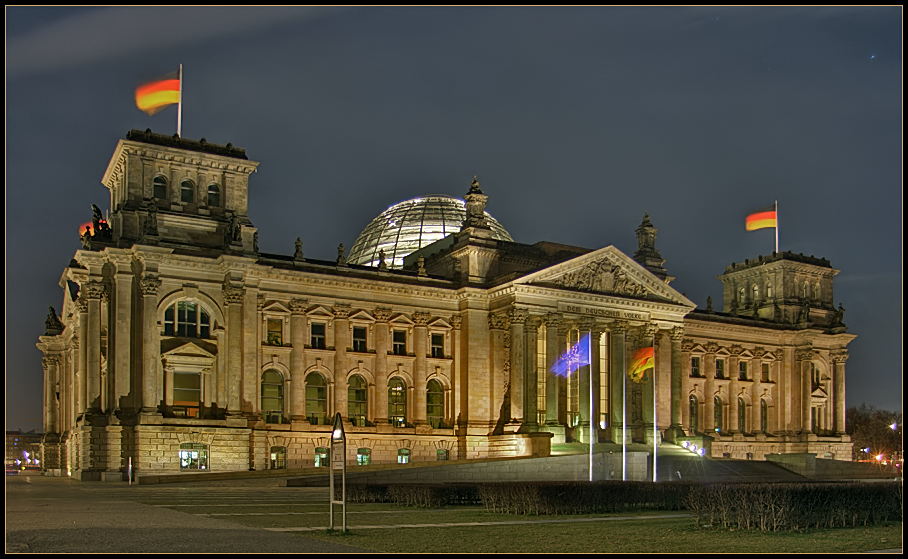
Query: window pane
x,y
187,190
214,196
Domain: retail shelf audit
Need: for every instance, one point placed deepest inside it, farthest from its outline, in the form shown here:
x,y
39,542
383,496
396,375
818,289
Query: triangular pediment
x,y
276,308
439,323
188,349
402,319
607,271
320,312
361,316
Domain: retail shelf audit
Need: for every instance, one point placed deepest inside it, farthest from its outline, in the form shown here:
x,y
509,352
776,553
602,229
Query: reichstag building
x,y
181,346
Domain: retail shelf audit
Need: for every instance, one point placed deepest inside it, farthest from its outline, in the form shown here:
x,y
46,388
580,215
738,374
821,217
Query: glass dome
x,y
410,225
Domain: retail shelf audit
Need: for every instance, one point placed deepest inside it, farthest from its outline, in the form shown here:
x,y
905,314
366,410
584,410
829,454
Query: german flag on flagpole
x,y
761,219
644,359
153,96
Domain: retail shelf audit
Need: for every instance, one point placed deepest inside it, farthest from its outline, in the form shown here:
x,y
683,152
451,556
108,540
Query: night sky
x,y
575,121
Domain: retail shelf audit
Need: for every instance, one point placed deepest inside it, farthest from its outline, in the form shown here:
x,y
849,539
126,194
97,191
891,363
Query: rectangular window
x,y
694,366
400,342
318,336
186,393
765,377
403,456
363,457
720,368
359,338
187,319
742,370
275,332
321,457
438,345
441,454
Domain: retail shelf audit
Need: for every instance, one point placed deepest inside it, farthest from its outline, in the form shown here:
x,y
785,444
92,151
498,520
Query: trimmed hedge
x,y
772,507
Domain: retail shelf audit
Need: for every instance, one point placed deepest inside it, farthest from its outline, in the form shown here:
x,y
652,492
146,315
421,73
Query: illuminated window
x,y
363,456
435,404
400,342
187,191
397,402
278,457
186,394
187,319
720,368
275,332
441,454
273,396
317,340
321,457
214,196
438,345
403,456
356,401
694,366
316,399
193,456
159,187
359,338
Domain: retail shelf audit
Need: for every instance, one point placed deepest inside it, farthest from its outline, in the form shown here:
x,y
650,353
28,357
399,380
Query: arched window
x,y
397,402
742,416
356,401
403,456
273,396
717,415
159,187
278,457
193,456
764,416
187,319
741,296
816,291
435,404
214,196
187,191
316,399
694,415
768,290
756,293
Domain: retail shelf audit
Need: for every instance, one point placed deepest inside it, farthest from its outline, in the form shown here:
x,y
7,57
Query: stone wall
x,y
811,467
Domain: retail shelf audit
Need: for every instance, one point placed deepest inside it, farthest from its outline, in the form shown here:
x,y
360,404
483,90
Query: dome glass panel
x,y
410,225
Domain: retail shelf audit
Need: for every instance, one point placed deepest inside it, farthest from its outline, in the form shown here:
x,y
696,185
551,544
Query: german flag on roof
x,y
155,95
761,219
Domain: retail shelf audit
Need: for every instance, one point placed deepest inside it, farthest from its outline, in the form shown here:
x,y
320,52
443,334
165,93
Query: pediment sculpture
x,y
602,276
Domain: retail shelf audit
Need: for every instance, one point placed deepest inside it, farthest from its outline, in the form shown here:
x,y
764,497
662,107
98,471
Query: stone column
x,y
838,389
457,411
498,323
788,390
151,346
49,363
420,348
77,394
341,332
687,382
582,433
596,333
95,290
382,315
168,385
530,382
120,333
561,388
81,356
552,322
298,359
518,319
805,356
648,339
678,392
233,300
733,389
708,370
617,400
756,391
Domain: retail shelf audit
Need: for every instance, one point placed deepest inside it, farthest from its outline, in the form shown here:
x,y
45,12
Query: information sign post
x,y
338,462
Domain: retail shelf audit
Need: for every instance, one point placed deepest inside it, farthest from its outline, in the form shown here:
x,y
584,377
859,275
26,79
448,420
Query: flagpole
x,y
655,411
777,226
590,359
180,105
624,413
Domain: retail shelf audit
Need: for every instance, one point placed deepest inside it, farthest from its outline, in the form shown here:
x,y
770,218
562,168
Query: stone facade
x,y
181,346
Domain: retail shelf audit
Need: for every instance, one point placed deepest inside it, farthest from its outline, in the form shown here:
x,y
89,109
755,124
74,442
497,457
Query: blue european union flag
x,y
575,356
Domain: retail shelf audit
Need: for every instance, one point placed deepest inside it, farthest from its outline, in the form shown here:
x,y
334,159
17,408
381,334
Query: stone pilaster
x,y
151,346
120,364
679,389
233,300
95,291
648,339
552,351
684,349
805,356
457,375
734,387
382,316
498,324
517,319
82,388
298,331
530,383
839,356
341,332
420,348
561,389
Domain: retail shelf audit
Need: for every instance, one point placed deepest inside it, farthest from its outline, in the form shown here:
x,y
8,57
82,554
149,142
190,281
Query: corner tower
x,y
173,192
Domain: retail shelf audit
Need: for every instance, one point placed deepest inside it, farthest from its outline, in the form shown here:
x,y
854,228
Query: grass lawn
x,y
662,535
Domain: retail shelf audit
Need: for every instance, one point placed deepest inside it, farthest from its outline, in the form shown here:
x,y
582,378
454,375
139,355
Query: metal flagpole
x,y
655,411
180,105
777,226
590,359
624,412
